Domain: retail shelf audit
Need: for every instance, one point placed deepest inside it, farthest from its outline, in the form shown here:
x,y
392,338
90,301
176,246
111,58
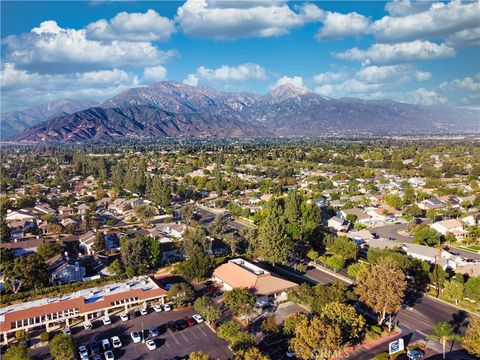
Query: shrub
x,y
377,329
382,356
44,337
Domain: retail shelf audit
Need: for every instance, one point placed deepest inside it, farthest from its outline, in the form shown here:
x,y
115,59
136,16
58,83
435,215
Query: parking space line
x,y
176,340
201,330
184,336
193,334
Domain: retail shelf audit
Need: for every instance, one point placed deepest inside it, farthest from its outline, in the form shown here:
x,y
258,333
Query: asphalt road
x,y
424,314
207,216
197,338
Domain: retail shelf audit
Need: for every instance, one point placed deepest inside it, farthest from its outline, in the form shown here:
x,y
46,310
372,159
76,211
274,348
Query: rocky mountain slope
x,y
172,109
13,122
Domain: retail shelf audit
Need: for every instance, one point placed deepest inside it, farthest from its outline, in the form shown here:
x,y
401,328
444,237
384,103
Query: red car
x,y
190,321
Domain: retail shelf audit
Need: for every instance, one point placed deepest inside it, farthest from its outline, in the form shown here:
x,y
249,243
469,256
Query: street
x,y
207,216
169,344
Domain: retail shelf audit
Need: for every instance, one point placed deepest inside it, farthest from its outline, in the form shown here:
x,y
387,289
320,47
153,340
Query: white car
x,y
124,317
198,318
83,352
143,311
106,320
136,337
157,308
88,326
167,307
67,331
151,345
105,344
290,354
109,355
116,343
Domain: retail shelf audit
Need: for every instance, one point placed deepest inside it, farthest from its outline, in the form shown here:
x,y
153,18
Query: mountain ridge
x,y
172,109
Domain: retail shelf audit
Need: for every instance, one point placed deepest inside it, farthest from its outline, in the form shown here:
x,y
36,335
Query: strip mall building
x,y
87,304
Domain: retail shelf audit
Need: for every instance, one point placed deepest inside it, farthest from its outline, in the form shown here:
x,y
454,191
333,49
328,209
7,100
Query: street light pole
x,y
143,334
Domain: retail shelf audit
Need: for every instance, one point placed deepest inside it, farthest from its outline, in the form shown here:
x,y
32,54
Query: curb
x,y
374,342
452,305
328,271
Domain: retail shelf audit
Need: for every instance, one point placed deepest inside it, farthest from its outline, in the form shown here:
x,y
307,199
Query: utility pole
x,y
143,334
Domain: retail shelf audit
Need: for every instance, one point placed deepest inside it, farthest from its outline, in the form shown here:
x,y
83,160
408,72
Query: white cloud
x,y
154,74
232,20
439,20
338,26
423,96
329,76
406,7
50,48
149,26
423,75
294,80
398,53
20,87
389,73
464,38
241,72
467,83
191,80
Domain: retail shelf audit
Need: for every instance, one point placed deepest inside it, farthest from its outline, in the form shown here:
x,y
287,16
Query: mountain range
x,y
172,109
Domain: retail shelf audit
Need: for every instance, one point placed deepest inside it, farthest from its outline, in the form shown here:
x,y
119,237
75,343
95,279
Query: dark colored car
x,y
182,324
154,331
173,326
94,347
190,321
132,315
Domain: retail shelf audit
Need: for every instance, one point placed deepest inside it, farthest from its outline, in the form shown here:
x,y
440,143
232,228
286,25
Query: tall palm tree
x,y
443,332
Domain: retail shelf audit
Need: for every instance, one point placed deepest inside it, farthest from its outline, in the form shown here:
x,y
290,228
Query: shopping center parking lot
x,y
169,344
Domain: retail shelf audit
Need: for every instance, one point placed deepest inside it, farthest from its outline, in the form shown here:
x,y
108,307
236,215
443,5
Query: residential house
x,y
431,204
453,226
44,209
361,216
63,271
338,224
432,255
66,211
239,273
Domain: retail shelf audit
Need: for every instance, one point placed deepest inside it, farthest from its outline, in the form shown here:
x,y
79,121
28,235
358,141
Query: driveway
x,y
196,338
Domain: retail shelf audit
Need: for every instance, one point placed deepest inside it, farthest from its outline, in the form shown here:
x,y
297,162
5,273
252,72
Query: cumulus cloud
x,y
20,87
232,20
389,73
154,74
338,26
464,38
467,83
226,74
294,80
149,26
330,76
50,48
439,20
398,53
406,7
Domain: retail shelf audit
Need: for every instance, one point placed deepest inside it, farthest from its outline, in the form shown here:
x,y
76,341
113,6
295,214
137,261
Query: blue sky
x,y
419,52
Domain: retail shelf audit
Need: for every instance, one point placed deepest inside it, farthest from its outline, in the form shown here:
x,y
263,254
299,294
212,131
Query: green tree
x,y
181,293
382,288
204,306
145,212
17,352
313,336
394,200
454,290
196,267
269,325
155,249
62,347
26,272
238,339
195,240
292,206
198,356
291,322
252,353
98,243
274,244
135,255
470,341
427,236
161,192
344,247
240,301
356,268
346,318
336,262
48,250
115,268
218,226
472,288
4,229
443,333
312,255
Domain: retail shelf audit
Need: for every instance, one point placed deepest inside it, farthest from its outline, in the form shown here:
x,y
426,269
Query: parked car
x,y
136,337
167,307
97,357
109,355
157,308
94,347
88,326
198,318
67,331
182,324
83,352
151,345
190,321
106,320
132,315
173,326
154,331
116,343
105,344
290,353
143,311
